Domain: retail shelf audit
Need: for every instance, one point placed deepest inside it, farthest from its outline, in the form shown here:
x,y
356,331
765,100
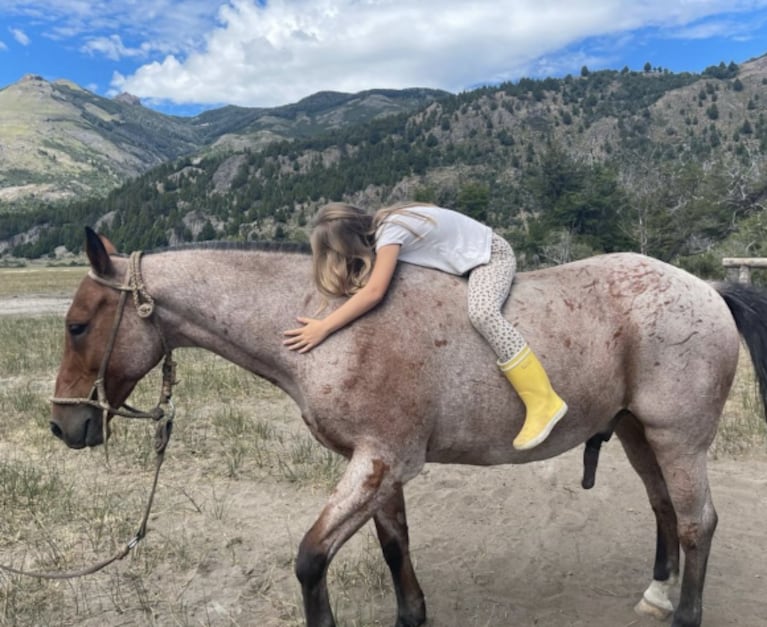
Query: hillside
x,y
59,141
668,164
238,128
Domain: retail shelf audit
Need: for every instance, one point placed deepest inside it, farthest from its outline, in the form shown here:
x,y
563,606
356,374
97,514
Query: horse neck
x,y
234,303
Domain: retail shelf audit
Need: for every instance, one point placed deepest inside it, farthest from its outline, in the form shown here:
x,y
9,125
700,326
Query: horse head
x,y
108,347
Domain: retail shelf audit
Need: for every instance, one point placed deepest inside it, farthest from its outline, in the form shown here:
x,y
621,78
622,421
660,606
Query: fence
x,y
744,266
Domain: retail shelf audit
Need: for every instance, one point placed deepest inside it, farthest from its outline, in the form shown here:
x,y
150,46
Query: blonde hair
x,y
342,249
343,245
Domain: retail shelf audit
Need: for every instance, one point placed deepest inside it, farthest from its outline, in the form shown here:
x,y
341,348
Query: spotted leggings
x,y
489,286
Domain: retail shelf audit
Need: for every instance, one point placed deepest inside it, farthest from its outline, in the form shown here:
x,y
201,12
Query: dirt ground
x,y
497,547
493,547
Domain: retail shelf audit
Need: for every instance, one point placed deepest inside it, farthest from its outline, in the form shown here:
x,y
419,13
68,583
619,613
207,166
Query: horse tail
x,y
749,309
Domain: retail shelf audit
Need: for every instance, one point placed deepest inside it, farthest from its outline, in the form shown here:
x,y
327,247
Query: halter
x,y
162,413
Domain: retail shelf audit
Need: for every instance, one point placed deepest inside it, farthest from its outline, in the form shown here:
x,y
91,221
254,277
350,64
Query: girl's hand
x,y
314,332
305,338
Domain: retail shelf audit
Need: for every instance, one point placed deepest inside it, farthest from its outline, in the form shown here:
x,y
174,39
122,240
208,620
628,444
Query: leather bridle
x,y
144,304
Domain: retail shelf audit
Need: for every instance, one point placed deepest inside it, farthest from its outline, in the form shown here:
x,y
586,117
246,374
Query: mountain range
x,y
59,141
669,164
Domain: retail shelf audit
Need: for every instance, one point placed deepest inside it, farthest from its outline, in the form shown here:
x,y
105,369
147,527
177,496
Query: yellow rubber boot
x,y
544,407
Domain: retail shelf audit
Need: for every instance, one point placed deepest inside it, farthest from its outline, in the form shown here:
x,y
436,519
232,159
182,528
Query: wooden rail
x,y
744,265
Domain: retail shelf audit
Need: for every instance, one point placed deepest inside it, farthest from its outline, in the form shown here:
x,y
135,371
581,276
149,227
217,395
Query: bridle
x,y
144,304
162,413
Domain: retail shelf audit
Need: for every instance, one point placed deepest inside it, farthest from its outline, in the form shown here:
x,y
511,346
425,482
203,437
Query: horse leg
x,y
655,601
366,483
391,526
687,480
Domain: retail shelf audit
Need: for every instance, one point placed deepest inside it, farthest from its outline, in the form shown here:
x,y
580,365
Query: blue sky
x,y
183,56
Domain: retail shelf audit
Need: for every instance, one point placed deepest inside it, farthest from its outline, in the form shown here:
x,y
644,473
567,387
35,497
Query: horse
x,y
634,345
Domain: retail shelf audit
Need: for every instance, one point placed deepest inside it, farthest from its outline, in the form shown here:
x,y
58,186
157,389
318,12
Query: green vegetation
x,y
667,164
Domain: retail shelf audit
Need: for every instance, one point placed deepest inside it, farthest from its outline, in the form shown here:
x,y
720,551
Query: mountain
x,y
60,141
672,165
236,128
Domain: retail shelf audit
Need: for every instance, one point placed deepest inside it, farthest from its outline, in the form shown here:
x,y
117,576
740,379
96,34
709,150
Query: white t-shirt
x,y
437,238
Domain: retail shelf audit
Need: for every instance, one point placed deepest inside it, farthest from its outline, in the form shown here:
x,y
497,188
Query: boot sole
x,y
545,433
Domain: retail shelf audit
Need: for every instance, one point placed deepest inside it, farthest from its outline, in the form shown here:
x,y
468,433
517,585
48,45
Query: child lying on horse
x,y
355,255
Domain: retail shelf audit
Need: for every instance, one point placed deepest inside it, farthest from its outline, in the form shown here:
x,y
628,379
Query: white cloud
x,y
269,52
725,28
112,47
164,26
20,36
264,54
3,46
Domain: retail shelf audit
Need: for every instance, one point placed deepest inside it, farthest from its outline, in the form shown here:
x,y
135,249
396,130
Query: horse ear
x,y
108,245
98,249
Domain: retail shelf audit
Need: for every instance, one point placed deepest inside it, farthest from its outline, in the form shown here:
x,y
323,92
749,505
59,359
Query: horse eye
x,y
77,328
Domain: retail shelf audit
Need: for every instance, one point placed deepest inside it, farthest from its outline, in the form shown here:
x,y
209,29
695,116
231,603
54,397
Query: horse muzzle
x,y
78,426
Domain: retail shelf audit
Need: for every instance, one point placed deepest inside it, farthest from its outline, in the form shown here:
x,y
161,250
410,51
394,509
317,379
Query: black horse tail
x,y
749,309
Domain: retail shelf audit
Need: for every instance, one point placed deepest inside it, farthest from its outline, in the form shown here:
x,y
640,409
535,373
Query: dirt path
x,y
493,547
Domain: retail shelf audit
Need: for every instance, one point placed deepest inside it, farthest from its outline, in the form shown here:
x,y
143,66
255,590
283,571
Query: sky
x,y
184,56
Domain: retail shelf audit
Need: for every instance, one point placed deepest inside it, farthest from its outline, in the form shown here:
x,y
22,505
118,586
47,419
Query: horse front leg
x,y
366,483
391,526
655,601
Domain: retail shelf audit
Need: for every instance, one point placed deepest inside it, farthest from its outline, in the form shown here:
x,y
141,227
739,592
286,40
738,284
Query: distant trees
x,y
722,71
473,200
512,156
578,206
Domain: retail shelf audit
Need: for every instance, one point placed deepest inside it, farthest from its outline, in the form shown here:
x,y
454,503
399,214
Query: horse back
x,y
612,331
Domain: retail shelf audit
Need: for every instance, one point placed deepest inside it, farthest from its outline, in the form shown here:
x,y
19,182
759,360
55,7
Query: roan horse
x,y
631,343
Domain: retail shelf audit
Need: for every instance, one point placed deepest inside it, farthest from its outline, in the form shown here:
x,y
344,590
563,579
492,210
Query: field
x,y
243,480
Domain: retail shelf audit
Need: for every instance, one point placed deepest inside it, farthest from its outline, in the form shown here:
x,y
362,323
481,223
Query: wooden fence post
x,y
744,266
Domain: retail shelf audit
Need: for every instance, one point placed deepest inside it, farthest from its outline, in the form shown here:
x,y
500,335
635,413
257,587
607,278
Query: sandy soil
x,y
493,547
496,547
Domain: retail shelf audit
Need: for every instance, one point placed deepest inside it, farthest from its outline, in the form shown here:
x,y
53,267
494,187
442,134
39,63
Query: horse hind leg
x,y
366,485
684,466
391,526
655,601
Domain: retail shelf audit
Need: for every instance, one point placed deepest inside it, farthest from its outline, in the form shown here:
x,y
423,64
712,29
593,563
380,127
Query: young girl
x,y
355,255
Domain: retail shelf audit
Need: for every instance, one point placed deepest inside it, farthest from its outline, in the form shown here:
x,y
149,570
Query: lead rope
x,y
163,413
162,437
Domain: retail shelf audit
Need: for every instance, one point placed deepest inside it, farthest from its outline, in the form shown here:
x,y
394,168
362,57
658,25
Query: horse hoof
x,y
646,608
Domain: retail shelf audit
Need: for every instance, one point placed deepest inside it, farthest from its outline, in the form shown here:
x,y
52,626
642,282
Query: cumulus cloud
x,y
269,53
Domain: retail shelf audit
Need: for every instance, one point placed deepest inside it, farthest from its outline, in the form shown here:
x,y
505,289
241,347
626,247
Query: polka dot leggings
x,y
489,286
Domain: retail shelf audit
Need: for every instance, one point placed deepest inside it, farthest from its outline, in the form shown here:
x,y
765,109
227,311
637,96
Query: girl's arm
x,y
305,338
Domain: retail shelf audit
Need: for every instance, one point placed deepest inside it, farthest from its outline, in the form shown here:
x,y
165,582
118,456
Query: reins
x,y
163,413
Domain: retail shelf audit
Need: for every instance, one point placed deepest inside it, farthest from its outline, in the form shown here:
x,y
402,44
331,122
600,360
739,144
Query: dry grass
x,y
234,433
742,430
40,280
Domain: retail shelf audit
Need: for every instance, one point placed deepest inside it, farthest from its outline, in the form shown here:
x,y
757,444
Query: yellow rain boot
x,y
544,408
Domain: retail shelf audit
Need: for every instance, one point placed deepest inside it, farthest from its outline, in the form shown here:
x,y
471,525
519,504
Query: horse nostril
x,y
56,430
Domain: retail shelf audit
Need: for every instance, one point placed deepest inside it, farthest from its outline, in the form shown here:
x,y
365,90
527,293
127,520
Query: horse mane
x,y
302,248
